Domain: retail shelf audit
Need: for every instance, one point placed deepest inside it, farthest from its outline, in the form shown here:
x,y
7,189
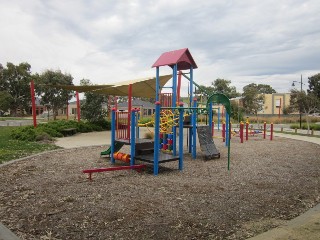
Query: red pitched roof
x,y
181,57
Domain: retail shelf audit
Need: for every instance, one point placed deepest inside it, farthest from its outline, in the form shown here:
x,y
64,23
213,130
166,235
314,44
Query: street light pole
x,y
300,111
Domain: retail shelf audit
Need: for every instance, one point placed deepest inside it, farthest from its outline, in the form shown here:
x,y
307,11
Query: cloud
x,y
270,42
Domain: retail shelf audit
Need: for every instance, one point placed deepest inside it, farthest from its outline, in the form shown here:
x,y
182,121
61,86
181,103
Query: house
x,y
146,108
273,103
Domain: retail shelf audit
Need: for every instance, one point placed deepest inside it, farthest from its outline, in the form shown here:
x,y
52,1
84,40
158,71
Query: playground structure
x,y
170,115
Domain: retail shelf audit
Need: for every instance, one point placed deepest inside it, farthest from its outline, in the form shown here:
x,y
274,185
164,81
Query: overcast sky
x,y
271,42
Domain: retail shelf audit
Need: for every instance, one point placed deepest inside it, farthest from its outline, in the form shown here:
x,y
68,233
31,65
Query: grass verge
x,y
13,149
299,134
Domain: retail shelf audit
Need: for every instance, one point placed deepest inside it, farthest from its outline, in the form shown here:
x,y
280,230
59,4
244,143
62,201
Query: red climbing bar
x,y
122,125
224,131
241,132
212,130
271,132
264,130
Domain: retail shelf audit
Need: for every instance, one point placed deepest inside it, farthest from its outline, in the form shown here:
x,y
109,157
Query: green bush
x,y
146,120
43,137
315,127
54,129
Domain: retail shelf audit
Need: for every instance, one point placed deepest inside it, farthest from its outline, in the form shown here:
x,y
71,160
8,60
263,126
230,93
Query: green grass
x,y
13,149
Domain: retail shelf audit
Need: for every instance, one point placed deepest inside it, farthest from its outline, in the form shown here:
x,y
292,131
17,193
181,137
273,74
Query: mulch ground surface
x,y
270,182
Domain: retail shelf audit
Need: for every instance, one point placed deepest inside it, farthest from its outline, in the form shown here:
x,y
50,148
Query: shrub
x,y
149,135
43,137
315,127
146,120
54,129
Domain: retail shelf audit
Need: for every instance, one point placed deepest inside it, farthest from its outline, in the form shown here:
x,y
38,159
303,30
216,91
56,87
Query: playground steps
x,y
143,146
207,145
163,157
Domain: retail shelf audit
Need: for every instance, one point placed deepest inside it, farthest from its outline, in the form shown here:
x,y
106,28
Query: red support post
x,y
241,132
33,99
129,109
264,130
223,131
179,86
212,129
271,132
247,131
78,106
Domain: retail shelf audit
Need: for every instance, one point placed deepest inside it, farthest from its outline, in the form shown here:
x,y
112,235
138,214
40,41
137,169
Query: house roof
x,y
181,57
138,102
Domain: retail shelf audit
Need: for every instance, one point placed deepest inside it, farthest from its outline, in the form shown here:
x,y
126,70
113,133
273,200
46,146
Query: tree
x,y
236,111
314,85
306,103
91,108
265,88
5,101
53,97
223,86
15,81
253,100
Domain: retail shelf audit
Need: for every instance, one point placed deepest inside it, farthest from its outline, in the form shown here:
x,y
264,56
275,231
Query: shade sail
x,y
145,87
79,88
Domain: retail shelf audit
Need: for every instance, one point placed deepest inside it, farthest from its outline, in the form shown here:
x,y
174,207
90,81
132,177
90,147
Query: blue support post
x,y
227,129
181,136
113,134
137,127
210,117
174,86
133,137
191,85
194,129
190,139
218,118
157,83
174,104
190,104
156,139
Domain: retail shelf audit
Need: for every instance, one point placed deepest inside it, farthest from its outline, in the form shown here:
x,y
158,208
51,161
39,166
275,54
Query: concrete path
x,y
89,139
85,139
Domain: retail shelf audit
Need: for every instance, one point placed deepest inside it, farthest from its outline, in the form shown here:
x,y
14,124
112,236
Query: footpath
x,y
304,227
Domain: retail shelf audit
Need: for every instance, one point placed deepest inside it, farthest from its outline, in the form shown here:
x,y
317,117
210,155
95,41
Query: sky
x,y
250,41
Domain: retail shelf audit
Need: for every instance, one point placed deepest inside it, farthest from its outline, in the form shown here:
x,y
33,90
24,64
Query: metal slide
x,y
207,145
